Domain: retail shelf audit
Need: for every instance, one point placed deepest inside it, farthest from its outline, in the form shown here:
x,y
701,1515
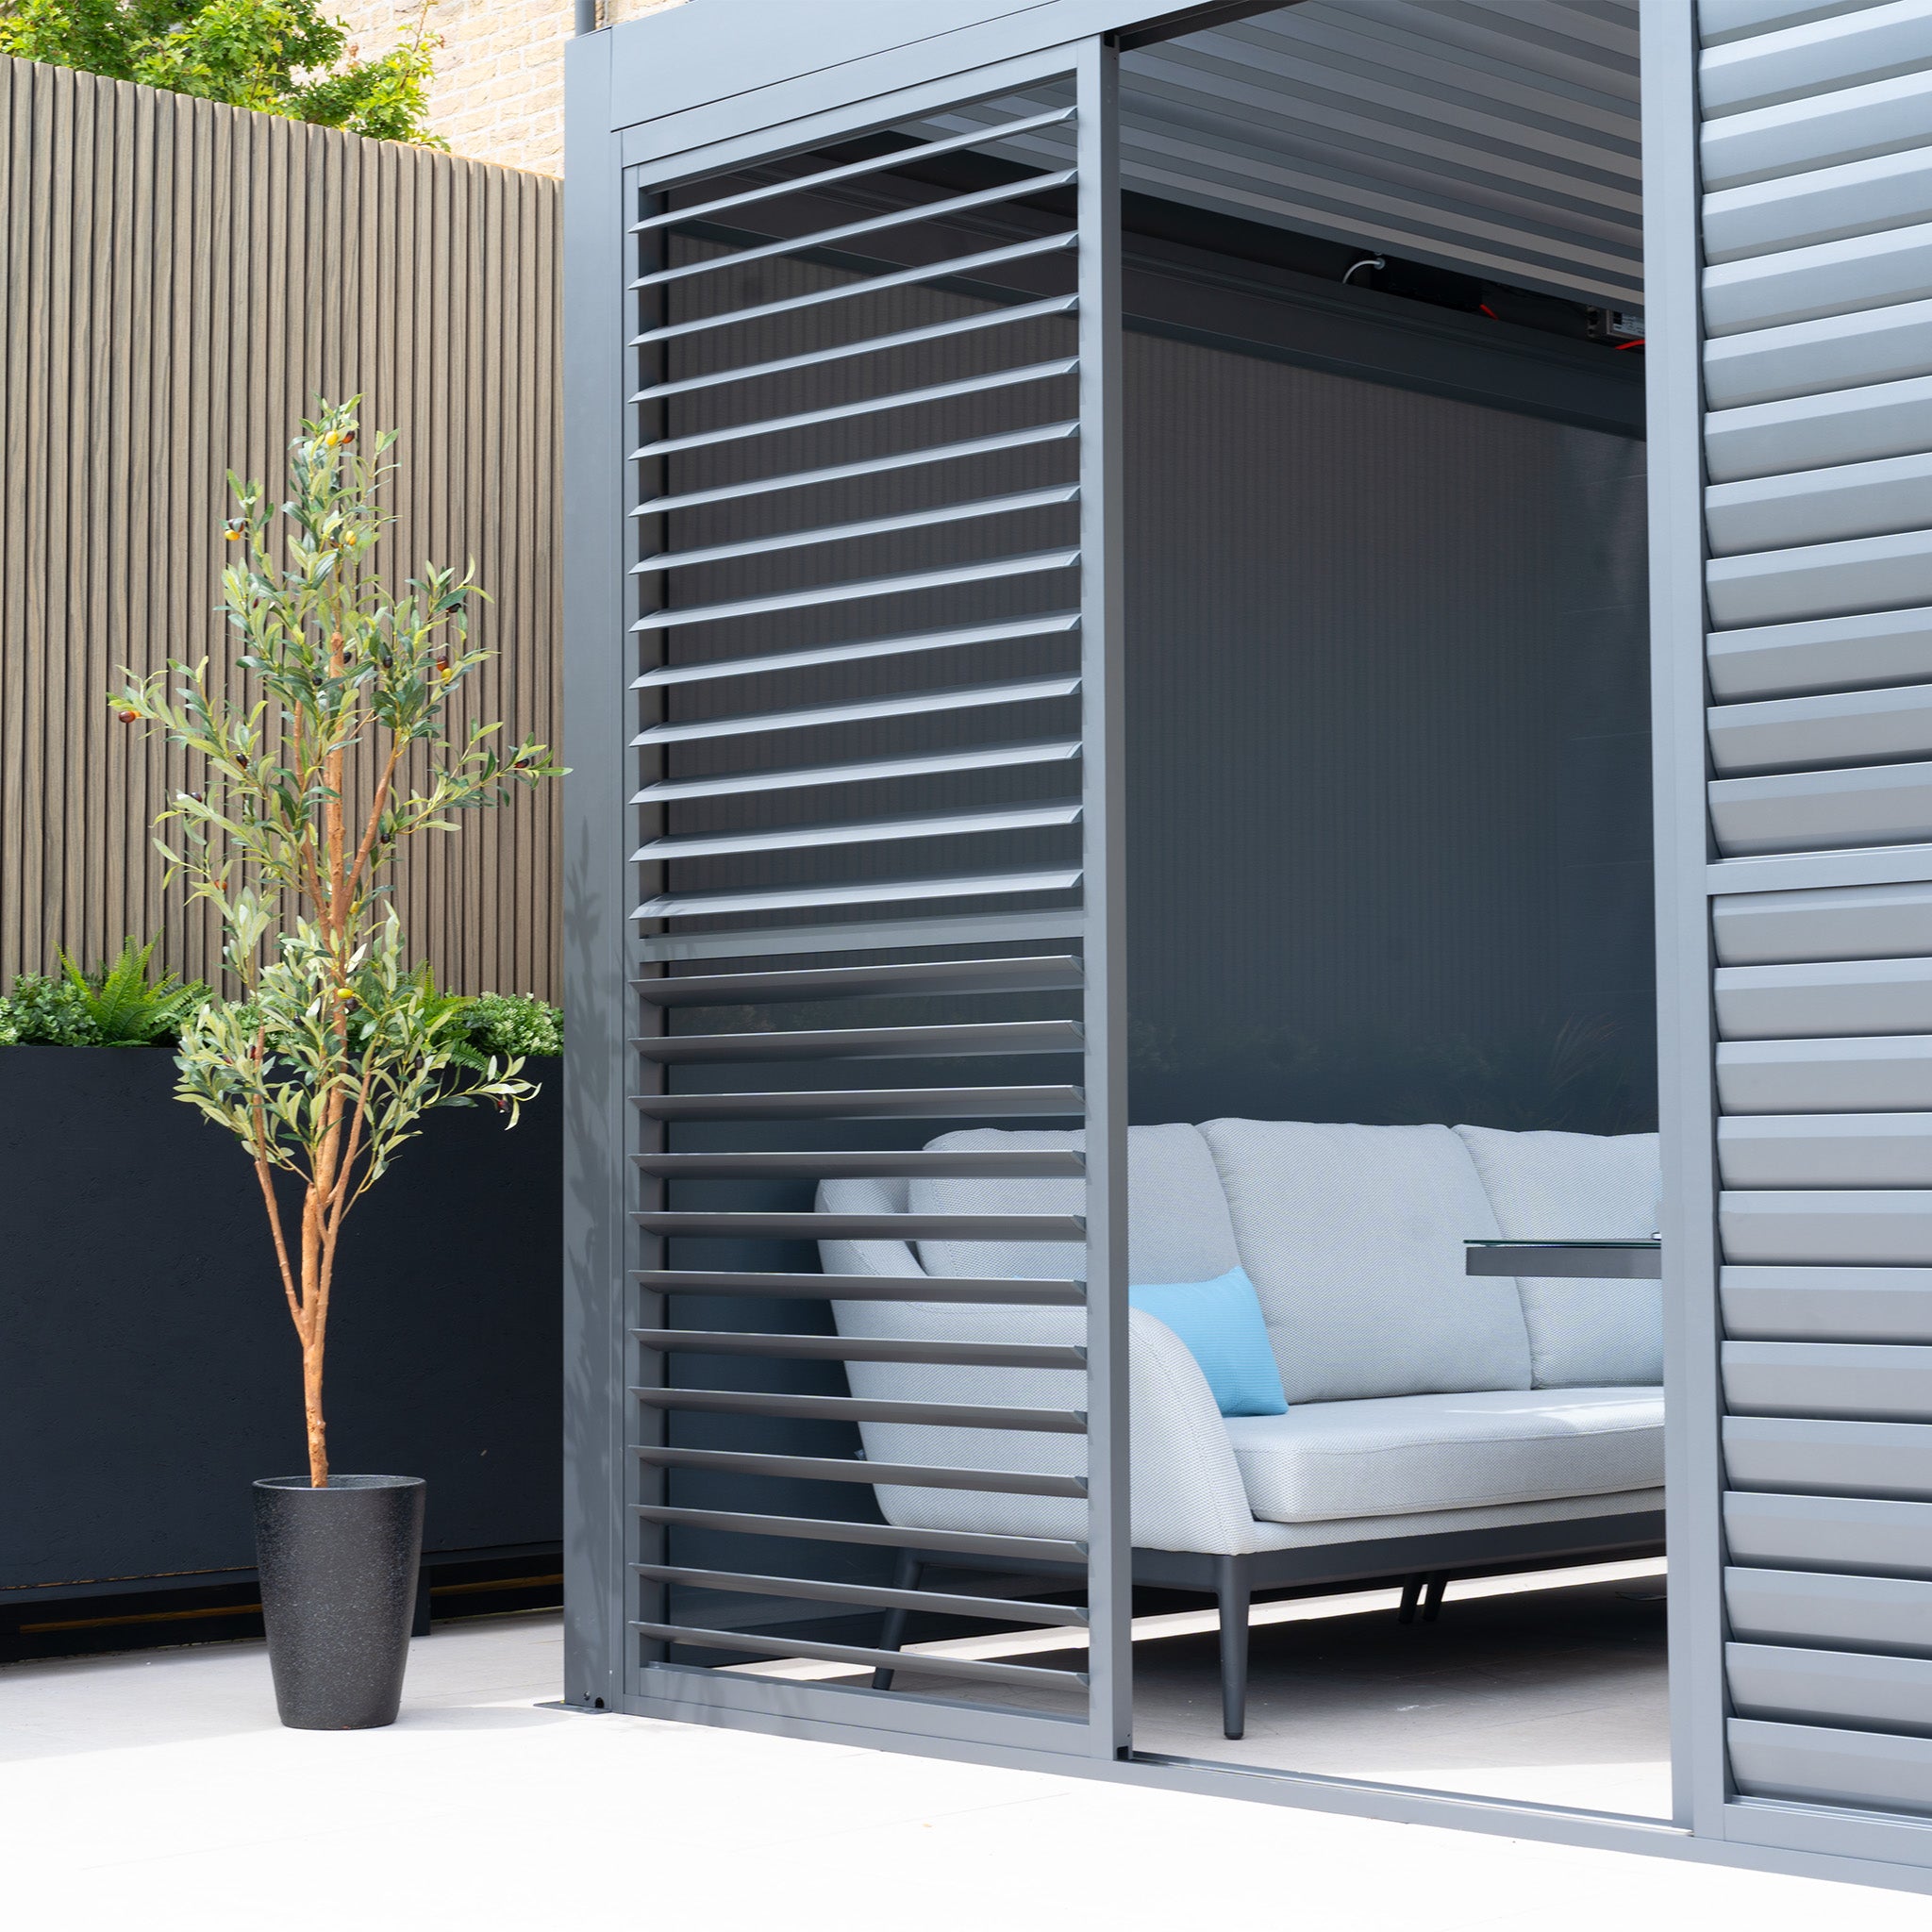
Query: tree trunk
x,y
312,1406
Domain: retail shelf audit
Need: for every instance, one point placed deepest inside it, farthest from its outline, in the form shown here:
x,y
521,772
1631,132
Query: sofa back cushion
x,y
1177,1224
1573,1187
1352,1238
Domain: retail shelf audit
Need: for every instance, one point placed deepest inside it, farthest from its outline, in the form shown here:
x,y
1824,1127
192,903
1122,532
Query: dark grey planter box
x,y
148,1369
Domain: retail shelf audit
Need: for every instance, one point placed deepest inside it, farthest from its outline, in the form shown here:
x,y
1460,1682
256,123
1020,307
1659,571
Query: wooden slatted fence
x,y
178,280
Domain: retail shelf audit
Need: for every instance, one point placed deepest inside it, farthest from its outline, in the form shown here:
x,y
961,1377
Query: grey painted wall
x,y
1389,705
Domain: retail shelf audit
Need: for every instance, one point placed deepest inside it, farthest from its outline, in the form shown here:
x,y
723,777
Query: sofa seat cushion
x,y
1354,1239
1402,1454
1579,1187
1177,1226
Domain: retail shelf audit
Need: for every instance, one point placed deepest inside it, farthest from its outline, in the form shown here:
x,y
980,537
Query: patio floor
x,y
157,1790
1549,1689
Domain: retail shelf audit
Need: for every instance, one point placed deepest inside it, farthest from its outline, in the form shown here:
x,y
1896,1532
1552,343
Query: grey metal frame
x,y
1685,1099
619,118
620,1335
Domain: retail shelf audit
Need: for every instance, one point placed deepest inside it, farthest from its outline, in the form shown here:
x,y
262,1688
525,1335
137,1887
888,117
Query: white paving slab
x,y
156,1792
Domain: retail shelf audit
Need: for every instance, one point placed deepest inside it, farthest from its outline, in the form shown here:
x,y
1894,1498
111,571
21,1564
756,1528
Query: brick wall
x,y
498,91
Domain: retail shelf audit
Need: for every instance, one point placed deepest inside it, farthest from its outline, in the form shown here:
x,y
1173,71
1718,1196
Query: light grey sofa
x,y
1437,1421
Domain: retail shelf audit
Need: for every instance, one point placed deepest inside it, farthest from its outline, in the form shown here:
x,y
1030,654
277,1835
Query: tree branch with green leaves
x,y
340,748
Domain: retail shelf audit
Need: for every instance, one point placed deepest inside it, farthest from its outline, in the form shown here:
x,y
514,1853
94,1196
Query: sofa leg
x,y
1432,1595
1411,1595
906,1575
1231,1590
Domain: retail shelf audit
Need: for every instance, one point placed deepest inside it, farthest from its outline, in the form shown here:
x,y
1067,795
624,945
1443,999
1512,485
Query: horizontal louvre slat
x,y
1889,1074
1823,811
1867,650
871,1043
863,406
946,209
1822,579
1815,1608
1871,1382
1825,1687
1825,506
1816,432
1825,204
1052,624
998,1291
852,1348
1050,974
1798,1455
1832,278
1821,1000
1817,131
868,345
866,892
846,1408
1829,923
953,268
1865,44
1837,729
971,1669
860,832
905,704
879,1535
754,1226
875,526
942,928
1033,563
1837,1533
873,164
804,777
1870,1149
956,1163
1828,1304
870,1595
1832,354
1719,20
1813,1764
1874,1227
862,1103
905,1475
870,466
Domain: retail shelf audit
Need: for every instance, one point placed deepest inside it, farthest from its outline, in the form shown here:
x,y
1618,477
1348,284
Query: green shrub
x,y
513,1023
122,1004
276,57
45,1012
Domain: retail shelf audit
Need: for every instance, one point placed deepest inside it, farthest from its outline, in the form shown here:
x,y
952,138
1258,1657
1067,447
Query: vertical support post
x,y
1686,1087
645,1543
594,1261
1110,1520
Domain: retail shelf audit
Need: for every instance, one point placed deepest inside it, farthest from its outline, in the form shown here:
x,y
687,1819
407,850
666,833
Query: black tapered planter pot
x,y
338,1595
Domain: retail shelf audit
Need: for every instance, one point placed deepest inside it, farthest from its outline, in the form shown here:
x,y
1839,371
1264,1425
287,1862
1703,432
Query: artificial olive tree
x,y
339,747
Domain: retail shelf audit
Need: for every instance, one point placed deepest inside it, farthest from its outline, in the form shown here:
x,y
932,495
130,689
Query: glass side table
x,y
1589,1260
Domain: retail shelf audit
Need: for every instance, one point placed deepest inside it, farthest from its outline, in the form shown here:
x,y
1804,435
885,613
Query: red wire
x,y
1488,310
1637,344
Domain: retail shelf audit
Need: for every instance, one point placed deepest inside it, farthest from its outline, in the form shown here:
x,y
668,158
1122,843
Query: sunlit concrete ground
x,y
1550,1688
155,1792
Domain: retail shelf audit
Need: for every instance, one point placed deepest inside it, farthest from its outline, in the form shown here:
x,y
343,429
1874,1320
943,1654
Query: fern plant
x,y
127,1008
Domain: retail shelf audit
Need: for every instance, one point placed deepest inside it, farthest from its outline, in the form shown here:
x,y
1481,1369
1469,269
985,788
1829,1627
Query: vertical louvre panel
x,y
181,280
862,407
1817,241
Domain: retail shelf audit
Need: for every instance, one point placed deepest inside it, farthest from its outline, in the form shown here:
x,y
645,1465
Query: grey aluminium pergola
x,y
737,181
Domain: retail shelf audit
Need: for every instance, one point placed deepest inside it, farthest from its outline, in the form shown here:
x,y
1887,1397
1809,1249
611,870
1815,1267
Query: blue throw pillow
x,y
1220,1323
